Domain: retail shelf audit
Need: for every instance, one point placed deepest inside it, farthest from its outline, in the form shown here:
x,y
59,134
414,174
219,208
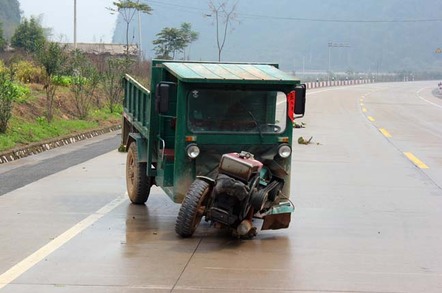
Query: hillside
x,y
9,16
382,35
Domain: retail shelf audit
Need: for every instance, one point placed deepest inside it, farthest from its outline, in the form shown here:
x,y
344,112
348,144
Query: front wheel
x,y
192,209
137,182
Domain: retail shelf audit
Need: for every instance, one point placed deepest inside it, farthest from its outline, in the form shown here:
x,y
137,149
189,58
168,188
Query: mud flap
x,y
274,222
278,217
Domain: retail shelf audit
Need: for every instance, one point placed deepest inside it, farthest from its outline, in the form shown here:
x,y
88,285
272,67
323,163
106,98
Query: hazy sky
x,y
94,22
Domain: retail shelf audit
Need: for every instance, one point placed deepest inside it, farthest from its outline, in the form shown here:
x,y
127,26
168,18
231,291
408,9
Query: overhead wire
x,y
258,16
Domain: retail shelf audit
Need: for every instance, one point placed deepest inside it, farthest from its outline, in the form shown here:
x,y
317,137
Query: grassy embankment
x,y
28,124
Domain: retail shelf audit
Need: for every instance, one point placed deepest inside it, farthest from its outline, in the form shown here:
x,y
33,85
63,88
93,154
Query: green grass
x,y
104,114
21,133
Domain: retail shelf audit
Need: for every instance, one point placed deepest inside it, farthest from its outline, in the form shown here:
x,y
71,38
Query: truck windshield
x,y
212,110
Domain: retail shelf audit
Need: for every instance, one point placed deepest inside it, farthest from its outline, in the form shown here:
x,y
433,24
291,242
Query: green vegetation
x,y
23,132
29,36
53,58
8,93
172,40
84,84
47,91
27,72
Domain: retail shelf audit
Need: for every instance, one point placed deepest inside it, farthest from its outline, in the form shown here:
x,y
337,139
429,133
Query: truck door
x,y
166,107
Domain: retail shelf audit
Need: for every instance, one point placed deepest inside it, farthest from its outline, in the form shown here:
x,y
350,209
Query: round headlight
x,y
192,151
284,151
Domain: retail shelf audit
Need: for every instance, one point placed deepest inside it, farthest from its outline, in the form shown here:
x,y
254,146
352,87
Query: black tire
x,y
137,182
192,208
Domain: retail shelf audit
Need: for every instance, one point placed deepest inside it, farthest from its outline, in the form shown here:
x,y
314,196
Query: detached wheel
x,y
192,208
137,182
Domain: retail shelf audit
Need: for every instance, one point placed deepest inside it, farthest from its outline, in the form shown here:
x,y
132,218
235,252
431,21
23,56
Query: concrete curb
x,y
40,147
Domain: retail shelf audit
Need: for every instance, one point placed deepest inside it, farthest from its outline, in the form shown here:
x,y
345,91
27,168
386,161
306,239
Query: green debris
x,y
302,140
298,125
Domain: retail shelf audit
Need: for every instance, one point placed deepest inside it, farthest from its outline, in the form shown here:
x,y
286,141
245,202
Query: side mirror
x,y
300,99
162,94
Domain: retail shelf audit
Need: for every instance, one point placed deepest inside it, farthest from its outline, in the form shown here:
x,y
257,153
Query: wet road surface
x,y
368,217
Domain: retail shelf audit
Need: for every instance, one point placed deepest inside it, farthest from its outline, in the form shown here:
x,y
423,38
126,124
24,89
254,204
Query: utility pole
x,y
75,24
140,52
334,45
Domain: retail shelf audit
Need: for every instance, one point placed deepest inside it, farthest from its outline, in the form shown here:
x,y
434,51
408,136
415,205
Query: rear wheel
x,y
192,209
137,182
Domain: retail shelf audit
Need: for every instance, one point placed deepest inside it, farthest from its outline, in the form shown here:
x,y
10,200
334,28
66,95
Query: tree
x,y
224,16
52,56
29,35
84,83
171,41
112,77
8,93
189,35
127,10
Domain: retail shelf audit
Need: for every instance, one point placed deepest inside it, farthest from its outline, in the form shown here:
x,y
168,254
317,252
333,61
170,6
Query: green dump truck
x,y
217,138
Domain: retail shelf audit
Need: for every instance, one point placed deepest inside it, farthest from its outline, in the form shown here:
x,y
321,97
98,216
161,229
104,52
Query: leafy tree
x,y
224,16
171,41
111,80
127,9
8,93
29,35
84,83
189,35
2,39
52,56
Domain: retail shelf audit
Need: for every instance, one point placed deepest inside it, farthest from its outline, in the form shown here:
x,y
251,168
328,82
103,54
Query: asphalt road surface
x,y
368,218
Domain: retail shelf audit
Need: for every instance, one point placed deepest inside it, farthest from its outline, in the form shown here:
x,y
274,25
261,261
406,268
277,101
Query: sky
x,y
94,21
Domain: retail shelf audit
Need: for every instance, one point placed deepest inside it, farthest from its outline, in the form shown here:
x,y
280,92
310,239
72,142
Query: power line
x,y
339,20
257,16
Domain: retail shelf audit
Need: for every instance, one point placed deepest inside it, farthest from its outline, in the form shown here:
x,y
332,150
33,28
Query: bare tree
x,y
127,9
224,14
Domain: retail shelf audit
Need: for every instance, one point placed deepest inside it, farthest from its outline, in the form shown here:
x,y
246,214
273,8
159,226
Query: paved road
x,y
30,169
369,214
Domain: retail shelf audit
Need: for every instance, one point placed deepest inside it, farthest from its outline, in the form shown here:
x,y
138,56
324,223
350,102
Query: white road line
x,y
27,263
423,99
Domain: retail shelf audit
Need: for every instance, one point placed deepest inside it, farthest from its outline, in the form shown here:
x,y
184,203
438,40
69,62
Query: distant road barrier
x,y
318,84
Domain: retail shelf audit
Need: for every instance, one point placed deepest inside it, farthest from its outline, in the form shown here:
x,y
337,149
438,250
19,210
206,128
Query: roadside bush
x,y
84,83
23,92
8,94
28,72
3,67
62,80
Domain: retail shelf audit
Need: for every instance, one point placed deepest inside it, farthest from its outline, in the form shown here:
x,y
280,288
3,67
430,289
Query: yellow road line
x,y
415,160
27,263
364,110
371,119
385,132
